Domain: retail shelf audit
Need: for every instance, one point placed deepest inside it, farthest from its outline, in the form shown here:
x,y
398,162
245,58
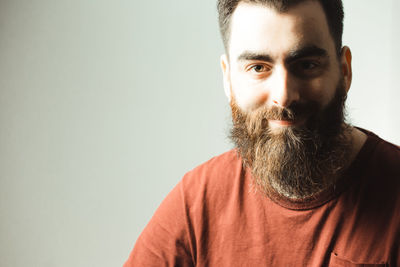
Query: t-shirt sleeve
x,y
165,240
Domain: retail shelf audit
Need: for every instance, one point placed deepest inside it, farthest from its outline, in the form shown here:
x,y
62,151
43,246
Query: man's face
x,y
287,89
281,59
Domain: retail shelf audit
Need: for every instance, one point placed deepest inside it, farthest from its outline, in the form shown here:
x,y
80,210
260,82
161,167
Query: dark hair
x,y
333,10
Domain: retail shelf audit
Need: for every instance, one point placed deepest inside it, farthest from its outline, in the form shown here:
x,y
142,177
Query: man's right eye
x,y
258,68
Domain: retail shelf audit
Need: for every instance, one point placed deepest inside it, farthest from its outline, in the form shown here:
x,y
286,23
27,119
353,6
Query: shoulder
x,y
379,166
384,155
389,150
214,179
222,165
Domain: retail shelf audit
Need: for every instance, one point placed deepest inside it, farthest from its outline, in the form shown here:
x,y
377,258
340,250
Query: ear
x,y
226,76
345,66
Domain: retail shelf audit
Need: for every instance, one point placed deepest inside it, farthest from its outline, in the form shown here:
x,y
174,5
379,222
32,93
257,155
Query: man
x,y
302,187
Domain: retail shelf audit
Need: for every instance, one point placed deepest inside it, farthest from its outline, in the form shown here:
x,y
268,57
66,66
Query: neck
x,y
357,139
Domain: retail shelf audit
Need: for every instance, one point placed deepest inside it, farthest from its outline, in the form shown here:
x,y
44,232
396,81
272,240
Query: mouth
x,y
285,123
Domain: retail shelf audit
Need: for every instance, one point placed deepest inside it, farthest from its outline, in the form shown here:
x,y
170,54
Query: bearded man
x,y
302,187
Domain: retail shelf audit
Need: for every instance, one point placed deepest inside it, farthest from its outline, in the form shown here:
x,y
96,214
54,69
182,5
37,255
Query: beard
x,y
294,161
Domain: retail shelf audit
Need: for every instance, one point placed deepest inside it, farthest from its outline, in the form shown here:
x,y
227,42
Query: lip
x,y
284,123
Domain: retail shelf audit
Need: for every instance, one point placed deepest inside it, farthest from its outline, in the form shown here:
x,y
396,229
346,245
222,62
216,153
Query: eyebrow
x,y
307,51
247,56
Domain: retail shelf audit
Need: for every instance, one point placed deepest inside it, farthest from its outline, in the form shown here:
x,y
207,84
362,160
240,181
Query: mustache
x,y
294,112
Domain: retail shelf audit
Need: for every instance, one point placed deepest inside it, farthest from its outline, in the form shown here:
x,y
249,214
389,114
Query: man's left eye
x,y
308,65
307,68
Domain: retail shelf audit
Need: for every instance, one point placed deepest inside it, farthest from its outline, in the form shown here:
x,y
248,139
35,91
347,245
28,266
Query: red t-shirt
x,y
214,217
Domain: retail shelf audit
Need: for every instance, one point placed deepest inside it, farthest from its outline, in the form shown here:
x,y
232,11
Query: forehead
x,y
259,28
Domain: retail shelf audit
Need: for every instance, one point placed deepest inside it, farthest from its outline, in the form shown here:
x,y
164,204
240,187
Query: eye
x,y
307,68
258,68
308,65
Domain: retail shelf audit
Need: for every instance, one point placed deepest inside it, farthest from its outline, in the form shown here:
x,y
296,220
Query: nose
x,y
283,89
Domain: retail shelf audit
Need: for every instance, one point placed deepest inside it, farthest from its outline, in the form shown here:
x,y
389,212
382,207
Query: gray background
x,y
104,105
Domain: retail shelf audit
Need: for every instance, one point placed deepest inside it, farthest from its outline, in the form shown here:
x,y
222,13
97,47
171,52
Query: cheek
x,y
249,94
320,91
248,97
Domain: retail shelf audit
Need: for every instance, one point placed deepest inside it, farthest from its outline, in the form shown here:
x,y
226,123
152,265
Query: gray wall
x,y
104,105
372,32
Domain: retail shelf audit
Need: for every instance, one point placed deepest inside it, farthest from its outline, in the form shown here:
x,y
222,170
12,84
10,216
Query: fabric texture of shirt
x,y
215,217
